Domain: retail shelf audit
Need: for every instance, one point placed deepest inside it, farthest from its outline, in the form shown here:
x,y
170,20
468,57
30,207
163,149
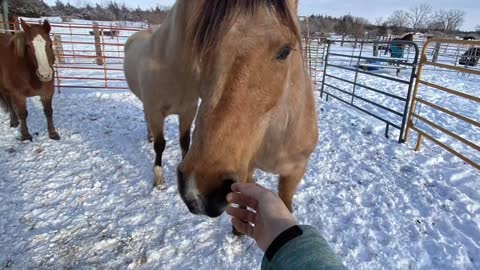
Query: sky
x,y
370,9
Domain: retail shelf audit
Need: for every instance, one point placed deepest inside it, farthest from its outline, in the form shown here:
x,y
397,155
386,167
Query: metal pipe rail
x,y
348,59
415,118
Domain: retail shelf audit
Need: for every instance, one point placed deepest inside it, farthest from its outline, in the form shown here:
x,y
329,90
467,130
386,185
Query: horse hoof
x,y
158,179
54,136
14,124
27,137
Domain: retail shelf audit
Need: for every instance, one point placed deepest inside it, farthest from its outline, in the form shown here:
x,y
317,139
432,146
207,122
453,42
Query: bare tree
x,y
477,28
383,30
379,21
344,26
398,21
358,27
449,20
419,16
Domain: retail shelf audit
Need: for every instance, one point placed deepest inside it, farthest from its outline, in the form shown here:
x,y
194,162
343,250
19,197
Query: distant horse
x,y
244,58
471,57
469,38
26,71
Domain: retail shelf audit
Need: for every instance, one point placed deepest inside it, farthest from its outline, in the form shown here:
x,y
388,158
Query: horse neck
x,y
172,33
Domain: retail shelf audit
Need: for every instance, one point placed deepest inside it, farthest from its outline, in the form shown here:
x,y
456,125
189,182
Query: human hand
x,y
269,218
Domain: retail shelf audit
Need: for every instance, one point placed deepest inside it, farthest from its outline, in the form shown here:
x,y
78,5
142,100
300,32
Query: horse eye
x,y
284,53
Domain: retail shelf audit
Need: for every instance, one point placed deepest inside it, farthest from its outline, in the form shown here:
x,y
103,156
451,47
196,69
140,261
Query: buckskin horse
x,y
257,110
243,59
26,71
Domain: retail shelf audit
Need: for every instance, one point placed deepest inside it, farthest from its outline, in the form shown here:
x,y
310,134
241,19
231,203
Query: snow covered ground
x,y
87,200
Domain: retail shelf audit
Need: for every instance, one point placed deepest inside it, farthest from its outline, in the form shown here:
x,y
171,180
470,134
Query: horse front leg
x,y
149,130
288,184
13,115
48,110
20,106
186,120
156,122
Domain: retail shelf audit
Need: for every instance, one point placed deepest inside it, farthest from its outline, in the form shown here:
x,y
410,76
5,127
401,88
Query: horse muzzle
x,y
212,204
45,76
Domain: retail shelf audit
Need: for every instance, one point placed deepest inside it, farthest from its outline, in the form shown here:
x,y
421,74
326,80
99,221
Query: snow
x,y
87,201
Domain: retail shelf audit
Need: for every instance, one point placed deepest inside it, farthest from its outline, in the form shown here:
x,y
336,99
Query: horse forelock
x,y
20,43
214,17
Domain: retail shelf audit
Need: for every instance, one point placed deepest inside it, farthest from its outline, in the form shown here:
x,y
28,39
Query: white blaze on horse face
x,y
44,71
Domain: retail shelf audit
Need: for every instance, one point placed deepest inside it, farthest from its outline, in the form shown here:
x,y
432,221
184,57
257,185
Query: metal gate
x,y
89,56
315,49
362,74
448,121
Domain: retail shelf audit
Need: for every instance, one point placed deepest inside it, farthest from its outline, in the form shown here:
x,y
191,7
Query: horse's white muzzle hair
x,y
45,75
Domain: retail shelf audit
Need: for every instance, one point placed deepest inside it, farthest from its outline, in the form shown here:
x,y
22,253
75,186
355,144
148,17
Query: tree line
x,y
423,17
107,11
419,18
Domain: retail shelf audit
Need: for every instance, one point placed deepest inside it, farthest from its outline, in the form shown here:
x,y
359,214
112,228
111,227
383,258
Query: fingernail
x,y
229,197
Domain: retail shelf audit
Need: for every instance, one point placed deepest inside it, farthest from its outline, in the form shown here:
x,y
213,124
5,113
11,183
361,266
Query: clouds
x,y
370,9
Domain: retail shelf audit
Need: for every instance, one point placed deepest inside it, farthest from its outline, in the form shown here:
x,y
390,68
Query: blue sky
x,y
370,9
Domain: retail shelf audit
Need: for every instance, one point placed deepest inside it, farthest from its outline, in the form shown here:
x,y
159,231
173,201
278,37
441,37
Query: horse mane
x,y
205,33
19,42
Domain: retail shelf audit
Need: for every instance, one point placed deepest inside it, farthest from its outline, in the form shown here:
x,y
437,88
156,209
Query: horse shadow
x,y
111,122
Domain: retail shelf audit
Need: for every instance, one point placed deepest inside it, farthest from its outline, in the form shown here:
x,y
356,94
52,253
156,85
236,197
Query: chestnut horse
x,y
257,109
26,71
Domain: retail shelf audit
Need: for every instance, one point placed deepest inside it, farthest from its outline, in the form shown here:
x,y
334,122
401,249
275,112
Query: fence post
x,y
98,45
2,23
436,52
16,24
413,105
59,54
375,49
325,70
6,26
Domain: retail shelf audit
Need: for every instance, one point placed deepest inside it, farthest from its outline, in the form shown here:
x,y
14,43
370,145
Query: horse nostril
x,y
180,182
227,185
179,173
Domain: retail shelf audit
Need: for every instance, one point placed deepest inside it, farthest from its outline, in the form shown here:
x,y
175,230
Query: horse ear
x,y
46,26
25,26
19,40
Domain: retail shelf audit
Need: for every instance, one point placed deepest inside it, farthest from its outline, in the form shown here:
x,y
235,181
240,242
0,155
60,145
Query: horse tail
x,y
4,102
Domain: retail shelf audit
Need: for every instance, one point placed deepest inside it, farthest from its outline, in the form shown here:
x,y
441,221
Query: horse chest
x,y
21,80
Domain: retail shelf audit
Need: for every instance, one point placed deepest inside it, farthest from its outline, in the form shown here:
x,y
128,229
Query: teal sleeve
x,y
306,251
